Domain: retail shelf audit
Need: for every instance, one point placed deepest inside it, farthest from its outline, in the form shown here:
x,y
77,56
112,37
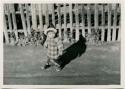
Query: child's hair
x,y
53,32
51,26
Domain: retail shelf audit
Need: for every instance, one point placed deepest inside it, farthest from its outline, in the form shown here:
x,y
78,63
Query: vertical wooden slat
x,y
103,30
9,18
5,32
47,15
41,17
96,16
119,32
83,20
34,20
65,28
109,23
14,21
5,29
23,19
89,19
77,22
59,20
71,22
114,24
53,14
28,19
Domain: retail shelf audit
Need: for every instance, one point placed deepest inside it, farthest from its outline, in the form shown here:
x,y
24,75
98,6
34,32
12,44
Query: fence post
x,y
114,23
41,17
119,33
46,15
27,19
103,19
5,29
9,18
53,14
70,13
59,20
65,27
77,22
33,13
14,21
89,19
96,16
23,19
83,20
109,23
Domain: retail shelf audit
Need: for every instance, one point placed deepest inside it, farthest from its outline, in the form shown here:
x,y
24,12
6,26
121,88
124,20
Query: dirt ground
x,y
98,65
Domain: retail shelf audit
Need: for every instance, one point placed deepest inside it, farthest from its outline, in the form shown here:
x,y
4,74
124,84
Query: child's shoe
x,y
45,67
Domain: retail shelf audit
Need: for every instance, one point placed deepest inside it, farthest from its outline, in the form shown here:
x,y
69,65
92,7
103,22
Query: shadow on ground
x,y
72,52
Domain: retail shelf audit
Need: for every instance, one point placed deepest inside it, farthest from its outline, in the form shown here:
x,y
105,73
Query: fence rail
x,y
68,18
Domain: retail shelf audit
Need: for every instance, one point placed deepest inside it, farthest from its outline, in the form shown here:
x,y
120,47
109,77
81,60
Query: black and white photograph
x,y
62,44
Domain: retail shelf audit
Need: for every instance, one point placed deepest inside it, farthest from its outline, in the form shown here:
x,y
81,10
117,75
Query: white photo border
x,y
122,85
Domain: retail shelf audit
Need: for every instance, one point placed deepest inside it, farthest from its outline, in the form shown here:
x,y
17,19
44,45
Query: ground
x,y
98,65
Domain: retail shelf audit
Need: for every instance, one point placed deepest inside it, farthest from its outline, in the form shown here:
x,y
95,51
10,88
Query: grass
x,y
99,65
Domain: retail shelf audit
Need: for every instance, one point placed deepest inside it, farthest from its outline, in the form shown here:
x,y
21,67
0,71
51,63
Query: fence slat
x,y
96,16
70,14
5,30
34,20
114,24
23,19
103,19
47,15
83,20
14,21
65,28
28,19
119,34
59,20
77,22
53,14
109,23
40,17
89,18
9,18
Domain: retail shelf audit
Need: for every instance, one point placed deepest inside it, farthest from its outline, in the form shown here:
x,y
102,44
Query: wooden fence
x,y
69,19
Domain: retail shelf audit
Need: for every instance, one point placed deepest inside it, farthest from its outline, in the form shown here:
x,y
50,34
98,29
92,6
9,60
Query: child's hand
x,y
45,45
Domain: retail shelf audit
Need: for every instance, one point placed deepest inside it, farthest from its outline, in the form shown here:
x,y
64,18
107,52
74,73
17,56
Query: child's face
x,y
51,34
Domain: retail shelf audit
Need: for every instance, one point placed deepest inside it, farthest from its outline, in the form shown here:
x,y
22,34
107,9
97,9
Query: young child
x,y
54,47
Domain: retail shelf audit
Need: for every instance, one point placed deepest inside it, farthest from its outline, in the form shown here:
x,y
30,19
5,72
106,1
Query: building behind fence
x,y
69,19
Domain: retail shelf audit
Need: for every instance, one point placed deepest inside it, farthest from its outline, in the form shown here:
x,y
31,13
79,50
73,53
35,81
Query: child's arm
x,y
46,43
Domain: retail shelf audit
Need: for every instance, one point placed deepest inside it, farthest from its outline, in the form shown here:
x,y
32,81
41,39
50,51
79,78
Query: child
x,y
54,47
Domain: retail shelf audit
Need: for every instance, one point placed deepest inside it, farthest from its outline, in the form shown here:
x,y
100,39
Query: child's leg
x,y
58,67
53,61
47,65
48,61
